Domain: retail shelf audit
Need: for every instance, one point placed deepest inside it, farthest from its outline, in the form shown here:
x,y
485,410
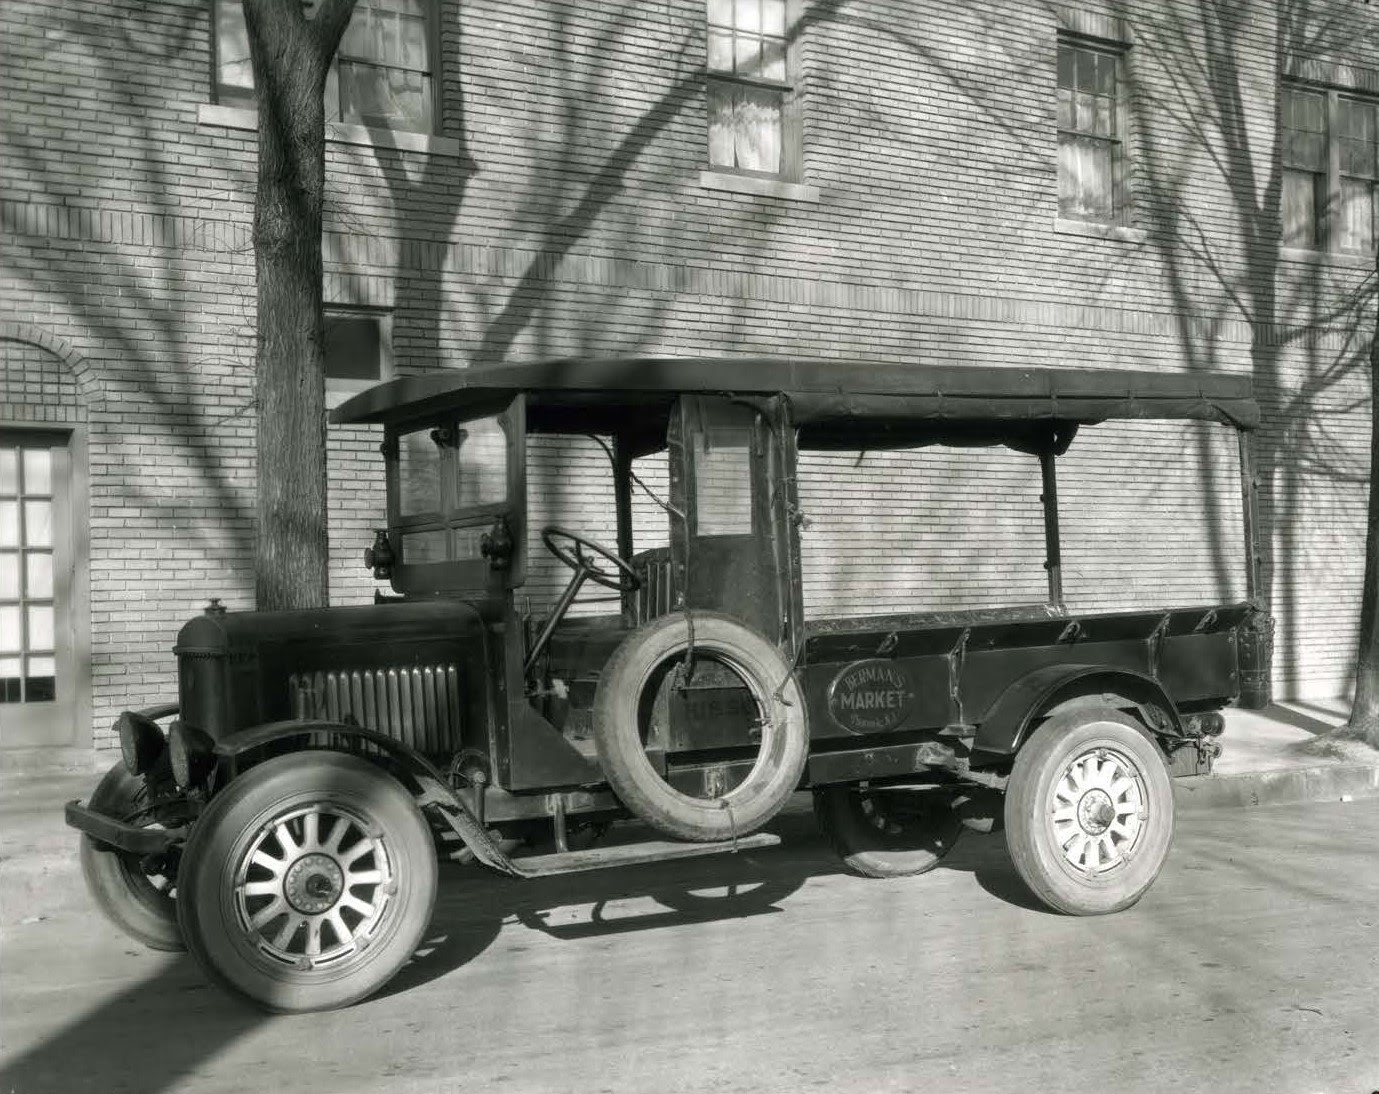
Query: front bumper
x,y
120,836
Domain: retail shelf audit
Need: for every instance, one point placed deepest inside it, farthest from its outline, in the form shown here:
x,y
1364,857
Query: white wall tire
x,y
1089,811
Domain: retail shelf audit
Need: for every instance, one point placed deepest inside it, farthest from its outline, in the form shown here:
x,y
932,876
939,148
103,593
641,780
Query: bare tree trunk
x,y
1364,715
291,57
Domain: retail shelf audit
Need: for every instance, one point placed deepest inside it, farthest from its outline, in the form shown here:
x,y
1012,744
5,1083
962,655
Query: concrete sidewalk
x,y
1270,757
1263,763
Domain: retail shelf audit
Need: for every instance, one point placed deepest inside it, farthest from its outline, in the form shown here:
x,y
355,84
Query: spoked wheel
x,y
888,831
135,893
308,882
1089,811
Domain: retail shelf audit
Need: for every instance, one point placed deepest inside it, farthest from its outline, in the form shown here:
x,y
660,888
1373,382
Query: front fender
x,y
434,788
234,745
1007,723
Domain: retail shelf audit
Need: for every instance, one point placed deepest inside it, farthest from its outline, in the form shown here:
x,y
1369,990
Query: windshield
x,y
452,468
451,485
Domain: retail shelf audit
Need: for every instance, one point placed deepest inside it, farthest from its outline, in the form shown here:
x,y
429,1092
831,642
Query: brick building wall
x,y
560,209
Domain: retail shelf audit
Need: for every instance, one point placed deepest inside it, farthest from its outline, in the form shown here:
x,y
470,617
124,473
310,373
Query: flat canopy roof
x,y
615,395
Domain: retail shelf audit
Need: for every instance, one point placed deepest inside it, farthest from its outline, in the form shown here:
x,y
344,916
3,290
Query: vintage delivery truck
x,y
281,819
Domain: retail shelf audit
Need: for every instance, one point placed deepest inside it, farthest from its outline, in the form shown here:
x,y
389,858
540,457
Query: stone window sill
x,y
756,184
339,391
1326,258
238,117
1090,230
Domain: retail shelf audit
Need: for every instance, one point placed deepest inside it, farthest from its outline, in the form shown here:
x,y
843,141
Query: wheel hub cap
x,y
1097,810
313,883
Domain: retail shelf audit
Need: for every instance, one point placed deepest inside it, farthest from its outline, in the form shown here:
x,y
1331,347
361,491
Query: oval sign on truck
x,y
870,696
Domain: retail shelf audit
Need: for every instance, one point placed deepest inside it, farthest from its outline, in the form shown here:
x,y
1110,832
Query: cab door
x,y
732,551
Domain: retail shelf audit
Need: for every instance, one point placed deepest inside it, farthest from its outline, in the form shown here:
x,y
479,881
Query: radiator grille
x,y
418,705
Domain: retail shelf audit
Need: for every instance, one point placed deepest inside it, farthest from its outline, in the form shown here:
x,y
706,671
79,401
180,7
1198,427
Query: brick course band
x,y
348,257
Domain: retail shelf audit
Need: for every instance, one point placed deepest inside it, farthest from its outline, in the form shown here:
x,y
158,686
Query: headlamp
x,y
191,753
141,741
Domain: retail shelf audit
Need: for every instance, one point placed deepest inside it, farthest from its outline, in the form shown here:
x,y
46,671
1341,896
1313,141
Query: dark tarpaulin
x,y
824,395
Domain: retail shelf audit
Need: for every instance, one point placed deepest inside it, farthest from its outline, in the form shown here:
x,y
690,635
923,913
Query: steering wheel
x,y
625,579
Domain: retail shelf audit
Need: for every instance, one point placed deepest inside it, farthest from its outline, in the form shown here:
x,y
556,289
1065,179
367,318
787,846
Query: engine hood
x,y
370,625
417,670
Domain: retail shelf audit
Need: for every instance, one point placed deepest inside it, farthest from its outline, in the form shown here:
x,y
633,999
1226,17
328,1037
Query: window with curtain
x,y
1358,147
1329,149
748,86
383,75
1090,141
1303,127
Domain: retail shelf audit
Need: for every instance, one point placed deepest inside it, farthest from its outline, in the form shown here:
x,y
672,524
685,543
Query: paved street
x,y
1251,965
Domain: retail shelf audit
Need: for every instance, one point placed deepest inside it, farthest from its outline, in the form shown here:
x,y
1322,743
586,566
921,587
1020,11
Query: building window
x,y
383,75
1330,170
1091,148
358,352
749,88
1358,173
28,632
1303,118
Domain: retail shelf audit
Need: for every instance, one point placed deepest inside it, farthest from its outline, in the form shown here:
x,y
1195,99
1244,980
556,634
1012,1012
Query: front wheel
x,y
888,831
135,894
308,882
1089,811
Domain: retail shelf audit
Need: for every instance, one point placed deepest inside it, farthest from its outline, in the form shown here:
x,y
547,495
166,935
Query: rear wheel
x,y
308,882
136,894
1089,811
888,831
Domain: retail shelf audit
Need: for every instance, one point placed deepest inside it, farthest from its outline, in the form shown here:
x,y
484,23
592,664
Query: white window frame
x,y
1122,205
1327,200
786,182
226,96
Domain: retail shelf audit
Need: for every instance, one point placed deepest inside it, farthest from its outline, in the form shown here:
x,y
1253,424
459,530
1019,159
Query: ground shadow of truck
x,y
474,905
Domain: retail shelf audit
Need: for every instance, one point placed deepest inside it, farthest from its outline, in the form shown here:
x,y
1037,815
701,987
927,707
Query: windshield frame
x,y
502,520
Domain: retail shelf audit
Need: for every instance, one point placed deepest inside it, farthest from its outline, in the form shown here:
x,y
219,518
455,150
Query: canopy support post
x,y
1053,559
1249,496
622,500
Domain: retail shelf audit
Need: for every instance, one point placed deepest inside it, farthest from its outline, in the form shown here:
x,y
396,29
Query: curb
x,y
1321,783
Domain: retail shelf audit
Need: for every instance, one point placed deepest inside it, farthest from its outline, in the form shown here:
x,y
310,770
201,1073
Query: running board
x,y
634,854
481,841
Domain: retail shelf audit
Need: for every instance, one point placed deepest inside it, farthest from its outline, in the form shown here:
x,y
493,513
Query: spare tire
x,y
628,688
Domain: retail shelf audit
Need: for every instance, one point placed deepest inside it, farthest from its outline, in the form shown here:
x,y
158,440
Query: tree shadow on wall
x,y
1310,324
1194,81
601,183
132,312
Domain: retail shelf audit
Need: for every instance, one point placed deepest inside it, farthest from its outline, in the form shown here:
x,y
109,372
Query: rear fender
x,y
1035,694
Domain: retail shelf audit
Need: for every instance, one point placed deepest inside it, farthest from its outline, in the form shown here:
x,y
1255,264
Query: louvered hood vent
x,y
418,705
